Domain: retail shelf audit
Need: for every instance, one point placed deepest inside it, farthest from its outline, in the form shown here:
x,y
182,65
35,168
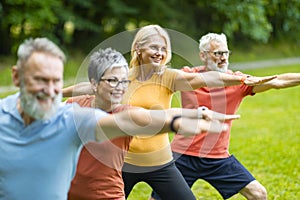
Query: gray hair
x,y
44,45
204,42
102,60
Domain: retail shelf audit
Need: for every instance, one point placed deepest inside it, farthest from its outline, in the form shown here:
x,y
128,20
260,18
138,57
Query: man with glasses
x,y
219,54
206,156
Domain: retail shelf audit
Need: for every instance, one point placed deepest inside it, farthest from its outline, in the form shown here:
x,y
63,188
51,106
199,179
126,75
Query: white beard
x,y
33,108
212,66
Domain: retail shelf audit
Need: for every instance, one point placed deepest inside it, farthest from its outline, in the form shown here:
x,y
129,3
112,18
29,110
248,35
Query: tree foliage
x,y
79,23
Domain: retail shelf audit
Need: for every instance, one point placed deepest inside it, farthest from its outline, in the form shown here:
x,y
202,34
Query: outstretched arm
x,y
150,122
282,81
201,113
78,89
190,81
185,82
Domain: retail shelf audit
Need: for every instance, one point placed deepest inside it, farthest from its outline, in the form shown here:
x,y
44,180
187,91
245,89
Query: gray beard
x,y
212,66
31,106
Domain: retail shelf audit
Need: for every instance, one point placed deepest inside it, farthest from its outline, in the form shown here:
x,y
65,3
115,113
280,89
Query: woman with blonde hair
x,y
149,159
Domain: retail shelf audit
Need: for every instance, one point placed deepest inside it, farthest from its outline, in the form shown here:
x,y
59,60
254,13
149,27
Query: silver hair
x,y
204,42
44,45
102,60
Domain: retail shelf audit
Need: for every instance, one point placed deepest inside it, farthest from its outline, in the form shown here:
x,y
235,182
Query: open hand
x,y
253,80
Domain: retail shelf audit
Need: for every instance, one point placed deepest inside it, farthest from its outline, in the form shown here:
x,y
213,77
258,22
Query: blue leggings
x,y
166,180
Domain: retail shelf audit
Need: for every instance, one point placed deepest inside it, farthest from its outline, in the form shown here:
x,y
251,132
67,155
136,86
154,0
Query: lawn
x,y
266,140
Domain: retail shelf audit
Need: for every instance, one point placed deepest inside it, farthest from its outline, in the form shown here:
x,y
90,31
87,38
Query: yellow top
x,y
156,94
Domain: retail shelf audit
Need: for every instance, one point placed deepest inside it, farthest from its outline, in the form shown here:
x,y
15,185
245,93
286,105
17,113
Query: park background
x,y
266,138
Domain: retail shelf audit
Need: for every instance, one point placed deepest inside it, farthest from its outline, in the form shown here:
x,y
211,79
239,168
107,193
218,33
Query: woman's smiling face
x,y
112,95
154,51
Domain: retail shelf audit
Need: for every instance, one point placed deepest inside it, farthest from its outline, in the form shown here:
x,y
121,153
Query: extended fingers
x,y
198,126
217,127
221,116
231,117
252,80
267,78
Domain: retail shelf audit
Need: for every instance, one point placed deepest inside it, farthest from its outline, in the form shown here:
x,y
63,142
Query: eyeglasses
x,y
114,82
219,54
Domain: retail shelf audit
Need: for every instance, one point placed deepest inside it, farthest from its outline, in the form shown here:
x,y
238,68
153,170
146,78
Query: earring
x,y
137,51
94,87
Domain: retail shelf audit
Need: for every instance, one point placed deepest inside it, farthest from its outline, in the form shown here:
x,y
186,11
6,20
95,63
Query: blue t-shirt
x,y
38,161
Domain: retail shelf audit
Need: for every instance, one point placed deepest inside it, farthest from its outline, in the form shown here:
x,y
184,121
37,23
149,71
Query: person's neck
x,y
26,118
145,72
206,69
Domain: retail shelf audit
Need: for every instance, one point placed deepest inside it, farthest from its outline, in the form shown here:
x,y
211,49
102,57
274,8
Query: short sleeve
x,y
86,121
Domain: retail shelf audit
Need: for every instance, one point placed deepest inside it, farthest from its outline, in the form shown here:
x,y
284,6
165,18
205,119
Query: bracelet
x,y
200,110
172,123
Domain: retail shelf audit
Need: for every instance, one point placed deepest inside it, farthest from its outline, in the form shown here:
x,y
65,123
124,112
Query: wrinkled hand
x,y
210,115
253,80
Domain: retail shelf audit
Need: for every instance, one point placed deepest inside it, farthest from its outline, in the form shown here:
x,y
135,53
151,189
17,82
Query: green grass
x,y
266,140
259,52
5,70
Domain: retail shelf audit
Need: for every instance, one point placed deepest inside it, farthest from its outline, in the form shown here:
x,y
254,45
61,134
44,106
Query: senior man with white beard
x,y
206,156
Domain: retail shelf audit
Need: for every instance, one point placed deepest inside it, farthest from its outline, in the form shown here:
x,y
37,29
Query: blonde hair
x,y
142,37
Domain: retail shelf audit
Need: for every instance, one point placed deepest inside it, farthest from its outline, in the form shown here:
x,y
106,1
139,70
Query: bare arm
x,y
184,82
282,81
201,113
78,89
150,122
190,81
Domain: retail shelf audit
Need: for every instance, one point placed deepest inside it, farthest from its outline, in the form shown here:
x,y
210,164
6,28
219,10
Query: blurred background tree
x,y
76,24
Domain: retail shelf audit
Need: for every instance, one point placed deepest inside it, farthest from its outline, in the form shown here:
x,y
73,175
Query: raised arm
x,y
190,81
281,81
150,122
77,89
